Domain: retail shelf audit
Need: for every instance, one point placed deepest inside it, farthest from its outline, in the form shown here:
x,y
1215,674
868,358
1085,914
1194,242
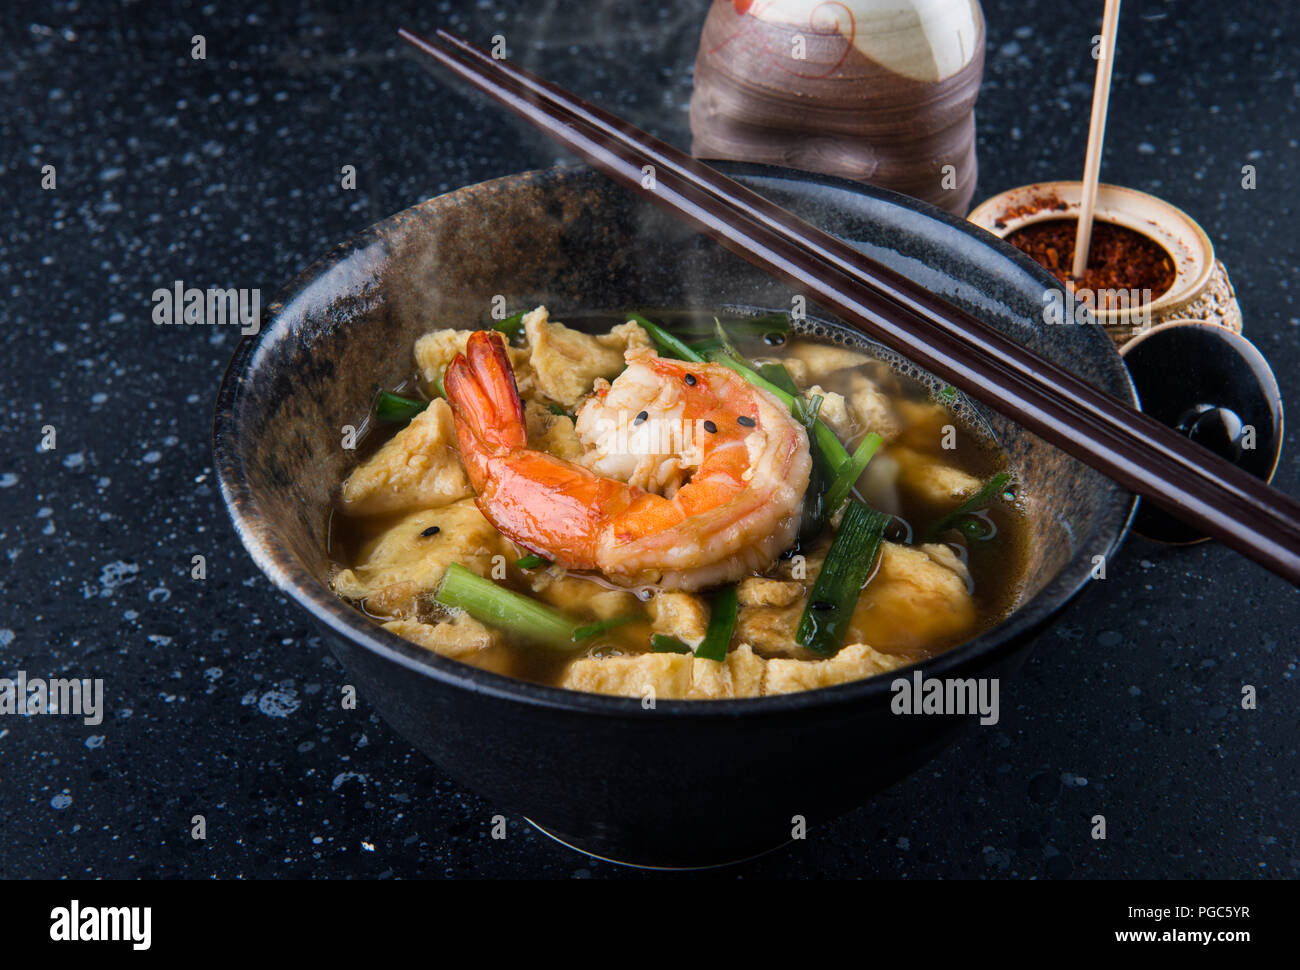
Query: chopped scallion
x,y
727,346
722,624
753,328
993,487
396,409
512,326
506,610
705,347
532,561
667,343
775,374
699,325
814,505
589,630
778,375
662,643
805,410
835,593
848,474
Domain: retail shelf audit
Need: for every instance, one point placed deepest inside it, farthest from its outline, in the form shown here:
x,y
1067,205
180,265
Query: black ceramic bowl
x,y
686,782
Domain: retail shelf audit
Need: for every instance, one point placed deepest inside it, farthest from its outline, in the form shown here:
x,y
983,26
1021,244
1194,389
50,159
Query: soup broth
x,y
951,566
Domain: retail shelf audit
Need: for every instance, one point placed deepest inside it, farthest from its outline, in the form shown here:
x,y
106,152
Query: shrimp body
x,y
731,461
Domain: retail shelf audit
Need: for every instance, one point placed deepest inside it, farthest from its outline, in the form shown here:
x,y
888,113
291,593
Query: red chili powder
x,y
1118,257
1042,203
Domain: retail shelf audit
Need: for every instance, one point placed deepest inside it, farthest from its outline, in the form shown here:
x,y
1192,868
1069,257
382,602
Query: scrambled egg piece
x,y
741,674
681,615
853,662
757,591
872,408
922,422
820,359
435,350
665,675
402,564
669,676
834,412
418,468
552,433
770,610
461,637
567,362
574,595
930,479
771,629
919,597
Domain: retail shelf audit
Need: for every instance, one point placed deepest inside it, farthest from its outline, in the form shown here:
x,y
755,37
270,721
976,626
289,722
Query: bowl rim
x,y
281,565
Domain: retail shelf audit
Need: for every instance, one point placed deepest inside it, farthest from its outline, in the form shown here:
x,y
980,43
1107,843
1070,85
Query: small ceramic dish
x,y
1215,387
1201,289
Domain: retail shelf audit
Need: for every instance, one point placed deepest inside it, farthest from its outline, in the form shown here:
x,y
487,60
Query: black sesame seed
x,y
774,339
710,427
433,530
643,416
747,421
897,530
822,605
690,379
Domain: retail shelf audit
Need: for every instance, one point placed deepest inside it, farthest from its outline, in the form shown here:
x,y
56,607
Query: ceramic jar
x,y
880,91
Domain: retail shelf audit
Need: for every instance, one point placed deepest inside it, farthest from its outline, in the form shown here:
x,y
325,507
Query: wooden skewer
x,y
1181,477
1096,136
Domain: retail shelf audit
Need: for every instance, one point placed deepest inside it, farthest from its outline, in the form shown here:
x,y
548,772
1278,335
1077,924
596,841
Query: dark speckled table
x,y
220,700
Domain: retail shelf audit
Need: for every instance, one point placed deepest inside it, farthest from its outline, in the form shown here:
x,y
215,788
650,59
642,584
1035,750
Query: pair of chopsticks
x,y
1137,452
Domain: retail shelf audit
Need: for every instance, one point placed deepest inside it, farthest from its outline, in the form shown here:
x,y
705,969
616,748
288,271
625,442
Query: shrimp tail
x,y
484,398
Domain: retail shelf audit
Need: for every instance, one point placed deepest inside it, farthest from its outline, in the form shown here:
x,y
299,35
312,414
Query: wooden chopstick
x,y
1190,482
1094,404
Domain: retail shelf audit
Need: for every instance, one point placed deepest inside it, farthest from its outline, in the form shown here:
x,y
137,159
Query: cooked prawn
x,y
740,471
